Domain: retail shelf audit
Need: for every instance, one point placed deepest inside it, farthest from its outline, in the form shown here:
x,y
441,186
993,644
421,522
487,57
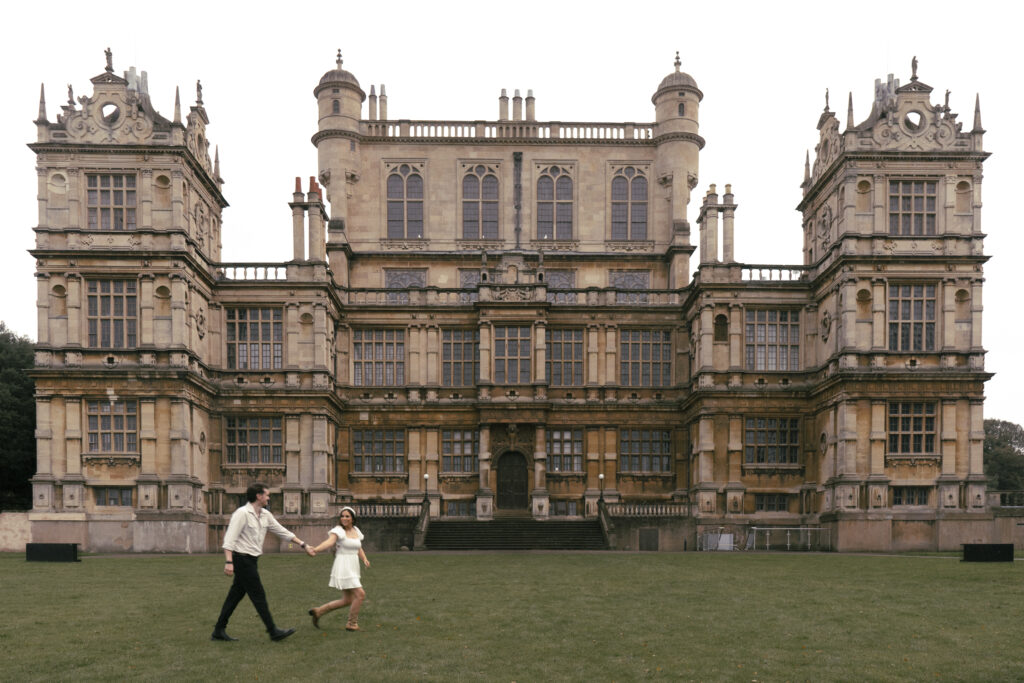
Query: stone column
x,y
43,307
179,491
485,495
878,482
611,348
293,336
319,487
148,481
76,300
734,488
540,502
736,355
292,487
73,481
145,195
610,465
43,481
880,331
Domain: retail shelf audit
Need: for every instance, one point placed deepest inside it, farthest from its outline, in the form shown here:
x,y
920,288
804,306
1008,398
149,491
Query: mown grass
x,y
524,617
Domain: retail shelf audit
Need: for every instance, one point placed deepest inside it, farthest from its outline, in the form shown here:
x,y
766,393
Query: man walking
x,y
243,545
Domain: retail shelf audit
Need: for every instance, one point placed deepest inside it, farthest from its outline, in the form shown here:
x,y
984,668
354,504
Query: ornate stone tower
x,y
893,242
129,222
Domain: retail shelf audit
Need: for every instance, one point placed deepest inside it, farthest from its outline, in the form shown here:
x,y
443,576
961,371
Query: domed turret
x,y
677,97
338,95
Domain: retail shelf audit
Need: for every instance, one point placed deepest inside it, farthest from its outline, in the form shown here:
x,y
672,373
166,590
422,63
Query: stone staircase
x,y
515,533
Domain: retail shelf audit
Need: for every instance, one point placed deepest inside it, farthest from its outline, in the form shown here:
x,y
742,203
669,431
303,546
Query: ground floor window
x,y
254,440
564,508
460,508
910,495
378,451
459,450
565,450
109,496
913,428
771,502
771,440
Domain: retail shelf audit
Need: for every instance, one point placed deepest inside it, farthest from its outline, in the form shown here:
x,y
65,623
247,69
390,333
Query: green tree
x,y
17,420
1004,455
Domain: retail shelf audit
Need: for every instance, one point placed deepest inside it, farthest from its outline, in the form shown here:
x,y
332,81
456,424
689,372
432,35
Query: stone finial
x,y
849,112
71,96
177,105
216,163
977,115
110,60
913,68
199,93
677,62
338,60
807,166
42,105
826,100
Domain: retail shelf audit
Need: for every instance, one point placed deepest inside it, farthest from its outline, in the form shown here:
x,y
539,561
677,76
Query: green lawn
x,y
524,617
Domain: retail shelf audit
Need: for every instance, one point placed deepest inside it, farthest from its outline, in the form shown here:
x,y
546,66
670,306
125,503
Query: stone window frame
x,y
120,210
270,346
389,357
912,429
771,502
573,364
114,301
386,454
634,367
469,167
268,443
910,496
113,496
451,366
502,358
393,167
455,458
565,450
111,427
913,210
911,328
618,170
762,335
555,171
564,508
786,436
460,508
634,459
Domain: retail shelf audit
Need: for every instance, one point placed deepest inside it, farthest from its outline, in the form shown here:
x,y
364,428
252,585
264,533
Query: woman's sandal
x,y
316,618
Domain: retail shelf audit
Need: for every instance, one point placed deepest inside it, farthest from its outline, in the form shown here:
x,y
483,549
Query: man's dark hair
x,y
255,489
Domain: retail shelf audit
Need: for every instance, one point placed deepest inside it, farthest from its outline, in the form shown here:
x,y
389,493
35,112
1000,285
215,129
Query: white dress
x,y
345,572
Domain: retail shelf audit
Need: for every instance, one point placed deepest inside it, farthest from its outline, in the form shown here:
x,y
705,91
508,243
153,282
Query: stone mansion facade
x,y
486,318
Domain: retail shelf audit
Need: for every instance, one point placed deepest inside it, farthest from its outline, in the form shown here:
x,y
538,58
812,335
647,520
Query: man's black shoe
x,y
280,633
221,634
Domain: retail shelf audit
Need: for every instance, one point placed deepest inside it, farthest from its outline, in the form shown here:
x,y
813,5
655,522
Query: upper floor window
x,y
913,428
254,441
646,358
403,279
560,279
645,451
460,357
629,204
912,207
378,451
113,426
565,450
512,354
112,313
459,450
255,338
405,203
554,204
772,340
378,358
480,203
771,441
633,280
111,201
911,317
565,357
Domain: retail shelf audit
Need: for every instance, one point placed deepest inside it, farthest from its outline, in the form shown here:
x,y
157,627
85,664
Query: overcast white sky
x,y
763,68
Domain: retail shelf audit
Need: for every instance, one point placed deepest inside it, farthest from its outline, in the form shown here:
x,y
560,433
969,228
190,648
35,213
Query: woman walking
x,y
348,547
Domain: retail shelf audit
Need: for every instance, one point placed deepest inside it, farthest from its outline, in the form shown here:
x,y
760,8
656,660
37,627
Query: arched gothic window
x,y
554,204
629,204
405,203
480,204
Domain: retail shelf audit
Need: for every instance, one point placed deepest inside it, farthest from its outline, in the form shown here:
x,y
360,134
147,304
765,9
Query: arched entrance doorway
x,y
513,486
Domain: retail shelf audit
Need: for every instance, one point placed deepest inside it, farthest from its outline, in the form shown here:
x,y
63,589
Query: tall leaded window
x,y
405,203
378,358
480,203
512,354
913,428
460,357
560,283
112,313
643,451
254,441
378,451
113,426
645,358
459,450
772,340
565,450
255,338
554,204
629,204
630,280
911,317
771,441
912,207
111,201
565,357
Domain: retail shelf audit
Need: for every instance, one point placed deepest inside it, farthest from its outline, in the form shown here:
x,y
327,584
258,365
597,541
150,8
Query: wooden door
x,y
513,482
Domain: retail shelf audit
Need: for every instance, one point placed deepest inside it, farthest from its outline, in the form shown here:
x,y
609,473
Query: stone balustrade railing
x,y
515,130
652,509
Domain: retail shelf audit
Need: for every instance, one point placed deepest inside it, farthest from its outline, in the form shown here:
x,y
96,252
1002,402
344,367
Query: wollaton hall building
x,y
492,318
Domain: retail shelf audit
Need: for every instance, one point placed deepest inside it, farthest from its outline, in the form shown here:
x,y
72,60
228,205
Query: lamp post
x,y
600,483
426,480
